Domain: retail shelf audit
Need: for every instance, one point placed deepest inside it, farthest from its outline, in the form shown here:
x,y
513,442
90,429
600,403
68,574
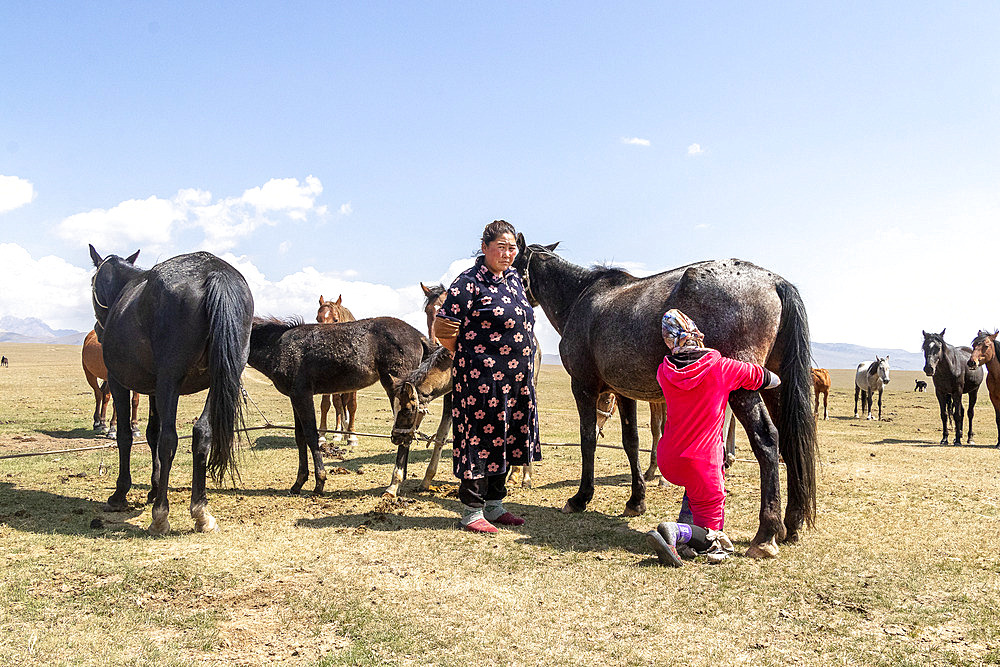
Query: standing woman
x,y
487,323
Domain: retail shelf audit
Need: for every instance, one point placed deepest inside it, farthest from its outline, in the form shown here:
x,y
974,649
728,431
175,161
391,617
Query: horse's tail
x,y
229,328
796,427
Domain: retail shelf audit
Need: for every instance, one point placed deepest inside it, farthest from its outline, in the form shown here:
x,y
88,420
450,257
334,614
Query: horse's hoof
x,y
322,440
114,507
389,494
791,536
295,490
635,511
527,484
337,437
760,551
570,508
208,525
111,434
159,527
352,439
970,442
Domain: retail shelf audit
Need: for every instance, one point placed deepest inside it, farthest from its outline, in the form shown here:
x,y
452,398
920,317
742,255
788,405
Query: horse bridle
x,y
421,409
93,283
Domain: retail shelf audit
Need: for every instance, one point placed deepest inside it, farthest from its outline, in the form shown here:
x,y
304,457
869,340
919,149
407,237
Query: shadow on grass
x,y
46,513
77,434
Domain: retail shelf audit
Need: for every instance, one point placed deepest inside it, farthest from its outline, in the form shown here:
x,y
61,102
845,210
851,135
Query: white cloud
x,y
15,192
346,209
703,225
695,149
155,222
635,141
49,288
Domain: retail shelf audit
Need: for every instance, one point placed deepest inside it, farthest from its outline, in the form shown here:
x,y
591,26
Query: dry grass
x,y
901,569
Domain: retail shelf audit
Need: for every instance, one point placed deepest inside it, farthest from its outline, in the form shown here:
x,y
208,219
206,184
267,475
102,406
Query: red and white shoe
x,y
508,519
480,526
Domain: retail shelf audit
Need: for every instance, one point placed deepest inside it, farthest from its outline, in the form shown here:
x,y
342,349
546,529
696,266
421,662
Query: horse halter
x,y
93,283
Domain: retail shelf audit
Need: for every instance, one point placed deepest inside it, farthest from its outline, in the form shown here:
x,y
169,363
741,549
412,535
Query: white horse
x,y
869,378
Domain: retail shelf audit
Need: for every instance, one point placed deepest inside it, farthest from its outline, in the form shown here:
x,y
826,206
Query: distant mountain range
x,y
33,330
839,355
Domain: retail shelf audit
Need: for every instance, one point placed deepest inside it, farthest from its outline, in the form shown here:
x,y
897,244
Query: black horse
x,y
949,367
3,361
178,328
303,360
920,386
610,327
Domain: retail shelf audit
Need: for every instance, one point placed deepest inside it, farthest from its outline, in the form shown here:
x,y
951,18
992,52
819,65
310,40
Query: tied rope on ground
x,y
268,424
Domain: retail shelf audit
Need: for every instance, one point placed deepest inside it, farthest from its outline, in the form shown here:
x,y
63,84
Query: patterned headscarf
x,y
680,331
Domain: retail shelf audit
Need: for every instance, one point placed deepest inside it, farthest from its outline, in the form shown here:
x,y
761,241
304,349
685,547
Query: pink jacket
x,y
696,398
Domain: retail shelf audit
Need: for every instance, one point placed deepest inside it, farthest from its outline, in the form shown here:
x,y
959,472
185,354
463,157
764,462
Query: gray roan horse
x,y
869,378
949,367
178,328
307,359
609,321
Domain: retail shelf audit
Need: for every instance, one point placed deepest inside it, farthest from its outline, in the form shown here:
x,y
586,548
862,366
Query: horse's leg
x,y
996,413
826,397
816,409
945,408
972,407
657,419
439,439
880,390
749,409
324,408
201,443
166,448
350,410
636,504
134,422
152,438
305,414
857,390
100,399
586,407
956,399
303,473
118,500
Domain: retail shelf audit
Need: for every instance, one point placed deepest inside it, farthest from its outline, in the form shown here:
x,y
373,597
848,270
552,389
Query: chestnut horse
x,y
821,385
345,405
609,323
95,371
985,353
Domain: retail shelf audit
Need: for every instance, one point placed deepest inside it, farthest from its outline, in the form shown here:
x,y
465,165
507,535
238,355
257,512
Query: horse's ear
x,y
131,258
95,256
996,332
427,292
552,246
521,245
321,299
339,299
924,333
942,332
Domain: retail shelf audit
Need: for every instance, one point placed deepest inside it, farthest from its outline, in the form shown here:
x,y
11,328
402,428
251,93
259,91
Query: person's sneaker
x,y
666,553
480,526
508,519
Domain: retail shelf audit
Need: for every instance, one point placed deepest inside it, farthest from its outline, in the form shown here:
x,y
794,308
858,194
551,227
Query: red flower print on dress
x,y
509,324
526,351
454,414
505,349
484,454
505,299
473,441
519,377
474,373
489,362
502,416
485,324
498,311
495,336
455,308
498,376
516,454
505,389
493,467
524,429
469,335
512,363
493,402
487,300
518,337
479,349
469,287
525,390
456,452
518,416
497,442
468,473
488,428
484,389
510,440
518,310
461,362
480,414
511,402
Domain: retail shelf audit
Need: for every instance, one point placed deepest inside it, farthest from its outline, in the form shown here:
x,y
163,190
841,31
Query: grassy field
x,y
901,569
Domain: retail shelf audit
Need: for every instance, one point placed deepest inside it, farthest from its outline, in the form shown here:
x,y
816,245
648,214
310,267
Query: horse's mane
x,y
612,274
433,292
873,368
272,325
439,356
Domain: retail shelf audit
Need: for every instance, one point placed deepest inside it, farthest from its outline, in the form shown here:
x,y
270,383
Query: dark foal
x,y
949,368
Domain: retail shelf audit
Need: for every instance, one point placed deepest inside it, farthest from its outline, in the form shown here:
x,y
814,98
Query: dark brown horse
x,y
303,360
985,353
95,371
179,328
821,385
345,405
953,376
609,321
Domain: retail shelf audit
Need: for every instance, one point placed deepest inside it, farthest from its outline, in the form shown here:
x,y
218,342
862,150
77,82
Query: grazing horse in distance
x,y
3,361
307,359
869,378
345,405
920,386
178,328
821,385
95,371
985,352
609,323
949,367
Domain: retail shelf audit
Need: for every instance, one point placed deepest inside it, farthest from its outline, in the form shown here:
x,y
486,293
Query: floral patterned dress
x,y
495,415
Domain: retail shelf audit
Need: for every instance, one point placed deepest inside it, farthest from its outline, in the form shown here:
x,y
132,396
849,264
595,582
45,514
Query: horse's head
x,y
881,368
107,282
331,312
933,347
410,396
984,348
522,263
434,297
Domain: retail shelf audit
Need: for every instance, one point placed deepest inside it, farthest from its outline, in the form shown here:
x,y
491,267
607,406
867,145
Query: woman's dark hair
x,y
495,229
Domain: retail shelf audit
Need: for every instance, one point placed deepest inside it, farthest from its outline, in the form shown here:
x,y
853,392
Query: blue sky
x,y
359,148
